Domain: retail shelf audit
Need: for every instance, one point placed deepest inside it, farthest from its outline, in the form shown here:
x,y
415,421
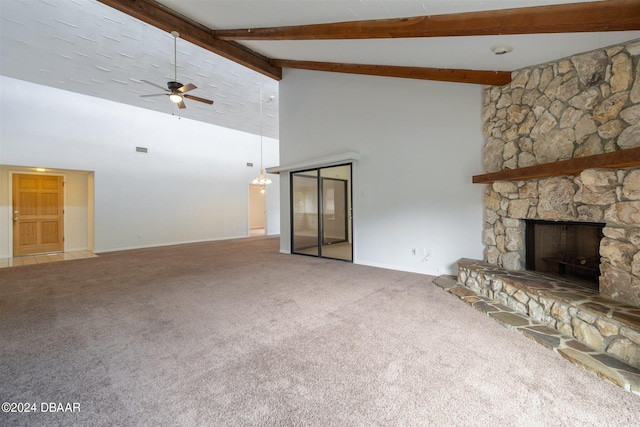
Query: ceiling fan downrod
x,y
175,35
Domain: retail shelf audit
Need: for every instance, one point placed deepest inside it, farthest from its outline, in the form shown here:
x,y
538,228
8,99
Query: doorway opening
x,y
257,211
19,231
322,224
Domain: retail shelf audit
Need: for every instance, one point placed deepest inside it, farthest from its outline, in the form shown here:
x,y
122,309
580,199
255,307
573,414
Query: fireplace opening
x,y
570,250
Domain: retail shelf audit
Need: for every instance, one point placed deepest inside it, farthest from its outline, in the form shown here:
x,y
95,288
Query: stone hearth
x,y
598,334
581,106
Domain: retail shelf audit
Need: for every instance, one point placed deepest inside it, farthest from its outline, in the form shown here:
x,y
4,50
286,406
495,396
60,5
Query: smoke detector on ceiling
x,y
501,49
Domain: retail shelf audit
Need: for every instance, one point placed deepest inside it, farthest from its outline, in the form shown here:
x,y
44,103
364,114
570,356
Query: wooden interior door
x,y
38,216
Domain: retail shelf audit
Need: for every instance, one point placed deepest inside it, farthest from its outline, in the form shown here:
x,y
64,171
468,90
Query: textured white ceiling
x,y
87,47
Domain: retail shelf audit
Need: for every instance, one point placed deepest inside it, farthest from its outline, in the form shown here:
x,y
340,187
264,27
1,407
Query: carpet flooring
x,y
234,333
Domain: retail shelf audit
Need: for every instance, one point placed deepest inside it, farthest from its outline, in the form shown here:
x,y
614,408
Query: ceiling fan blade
x,y
186,88
153,84
181,105
153,94
197,98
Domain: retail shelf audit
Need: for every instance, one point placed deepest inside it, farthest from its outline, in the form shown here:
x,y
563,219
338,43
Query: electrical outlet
x,y
413,251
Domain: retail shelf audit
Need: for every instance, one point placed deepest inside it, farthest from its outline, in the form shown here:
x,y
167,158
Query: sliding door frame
x,y
320,208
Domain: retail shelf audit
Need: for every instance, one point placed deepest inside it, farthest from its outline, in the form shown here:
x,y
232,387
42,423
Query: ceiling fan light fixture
x,y
176,90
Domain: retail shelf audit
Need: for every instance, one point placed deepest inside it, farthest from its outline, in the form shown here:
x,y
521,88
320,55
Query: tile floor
x,y
43,258
254,232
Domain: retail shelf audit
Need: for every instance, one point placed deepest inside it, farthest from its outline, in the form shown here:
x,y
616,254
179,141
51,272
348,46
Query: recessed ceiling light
x,y
501,49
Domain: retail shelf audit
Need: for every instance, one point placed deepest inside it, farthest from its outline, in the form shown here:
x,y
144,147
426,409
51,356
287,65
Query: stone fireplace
x,y
589,197
579,107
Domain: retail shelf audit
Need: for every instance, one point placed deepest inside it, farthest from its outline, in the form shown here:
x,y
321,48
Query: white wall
x,y
420,143
191,186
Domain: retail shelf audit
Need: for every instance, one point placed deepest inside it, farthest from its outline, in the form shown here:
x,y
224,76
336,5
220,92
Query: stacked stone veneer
x,y
580,106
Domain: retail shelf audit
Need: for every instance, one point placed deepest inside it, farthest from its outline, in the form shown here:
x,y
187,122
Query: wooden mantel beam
x,y
495,78
168,20
615,160
597,16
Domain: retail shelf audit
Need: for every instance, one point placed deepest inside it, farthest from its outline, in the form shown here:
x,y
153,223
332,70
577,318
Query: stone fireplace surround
x,y
575,107
591,196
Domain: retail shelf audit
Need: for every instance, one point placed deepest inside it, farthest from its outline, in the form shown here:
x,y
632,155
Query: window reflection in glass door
x,y
304,203
334,211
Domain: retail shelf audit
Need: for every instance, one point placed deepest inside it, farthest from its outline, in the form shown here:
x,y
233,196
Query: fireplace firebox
x,y
570,250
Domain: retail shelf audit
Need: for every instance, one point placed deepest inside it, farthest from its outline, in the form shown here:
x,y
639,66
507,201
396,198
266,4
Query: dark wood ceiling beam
x,y
168,20
497,78
610,15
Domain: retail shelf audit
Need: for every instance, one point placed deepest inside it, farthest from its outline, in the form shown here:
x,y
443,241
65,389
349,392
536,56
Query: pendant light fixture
x,y
261,180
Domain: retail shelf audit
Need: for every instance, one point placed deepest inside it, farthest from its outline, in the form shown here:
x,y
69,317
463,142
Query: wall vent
x,y
249,164
141,149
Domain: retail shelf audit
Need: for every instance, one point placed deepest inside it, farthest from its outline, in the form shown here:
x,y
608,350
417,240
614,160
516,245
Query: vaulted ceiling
x,y
93,48
429,39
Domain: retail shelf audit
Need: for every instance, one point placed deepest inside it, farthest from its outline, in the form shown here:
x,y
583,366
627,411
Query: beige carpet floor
x,y
235,334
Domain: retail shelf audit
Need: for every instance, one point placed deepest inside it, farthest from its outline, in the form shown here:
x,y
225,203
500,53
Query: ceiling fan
x,y
175,90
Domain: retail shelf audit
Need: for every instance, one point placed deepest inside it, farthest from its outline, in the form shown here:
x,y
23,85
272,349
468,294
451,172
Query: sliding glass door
x,y
321,222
